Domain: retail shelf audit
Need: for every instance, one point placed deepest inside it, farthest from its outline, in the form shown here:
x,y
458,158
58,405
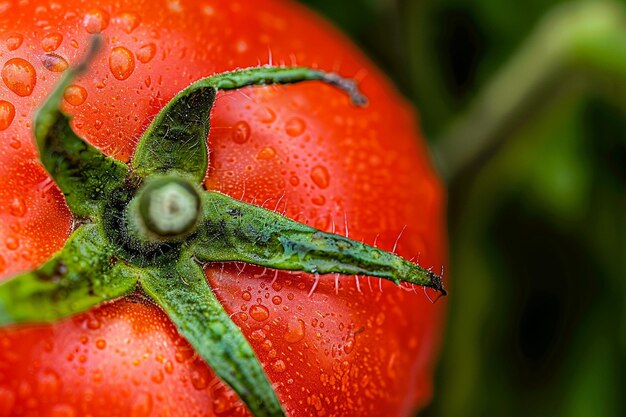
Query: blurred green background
x,y
537,220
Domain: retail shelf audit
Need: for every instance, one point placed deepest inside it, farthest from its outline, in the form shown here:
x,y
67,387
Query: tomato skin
x,y
352,351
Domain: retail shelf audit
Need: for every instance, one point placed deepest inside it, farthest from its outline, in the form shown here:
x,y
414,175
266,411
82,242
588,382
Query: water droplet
x,y
223,402
208,10
169,367
241,132
320,176
97,376
184,353
129,22
157,377
20,76
96,20
17,207
266,153
101,344
142,406
3,264
279,366
48,383
7,114
93,323
259,312
258,335
349,345
267,115
295,126
319,200
54,62
266,345
146,53
75,95
295,330
121,63
12,243
14,42
277,300
199,376
51,42
15,143
246,296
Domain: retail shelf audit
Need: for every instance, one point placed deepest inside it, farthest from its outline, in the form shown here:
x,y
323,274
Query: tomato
x,y
352,347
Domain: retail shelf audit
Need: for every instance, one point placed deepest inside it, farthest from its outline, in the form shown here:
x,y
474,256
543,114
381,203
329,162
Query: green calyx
x,y
149,226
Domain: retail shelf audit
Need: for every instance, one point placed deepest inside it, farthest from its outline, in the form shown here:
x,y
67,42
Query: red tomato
x,y
364,348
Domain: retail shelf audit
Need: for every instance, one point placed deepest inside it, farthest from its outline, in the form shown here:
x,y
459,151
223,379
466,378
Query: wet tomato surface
x,y
353,346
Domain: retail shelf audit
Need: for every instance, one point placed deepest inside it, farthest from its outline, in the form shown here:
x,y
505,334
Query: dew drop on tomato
x,y
51,42
267,115
318,200
199,376
48,383
7,114
157,376
267,345
12,243
121,63
184,354
246,296
258,335
54,62
93,323
75,95
19,76
320,176
142,406
347,348
101,344
14,42
294,180
279,366
96,375
295,126
146,52
295,330
222,402
266,153
17,207
129,22
169,367
277,300
241,132
96,20
259,312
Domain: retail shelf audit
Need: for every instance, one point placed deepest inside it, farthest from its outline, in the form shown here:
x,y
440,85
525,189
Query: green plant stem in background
x,y
582,38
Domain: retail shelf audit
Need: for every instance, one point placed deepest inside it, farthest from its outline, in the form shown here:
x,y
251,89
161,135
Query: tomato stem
x,y
165,208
